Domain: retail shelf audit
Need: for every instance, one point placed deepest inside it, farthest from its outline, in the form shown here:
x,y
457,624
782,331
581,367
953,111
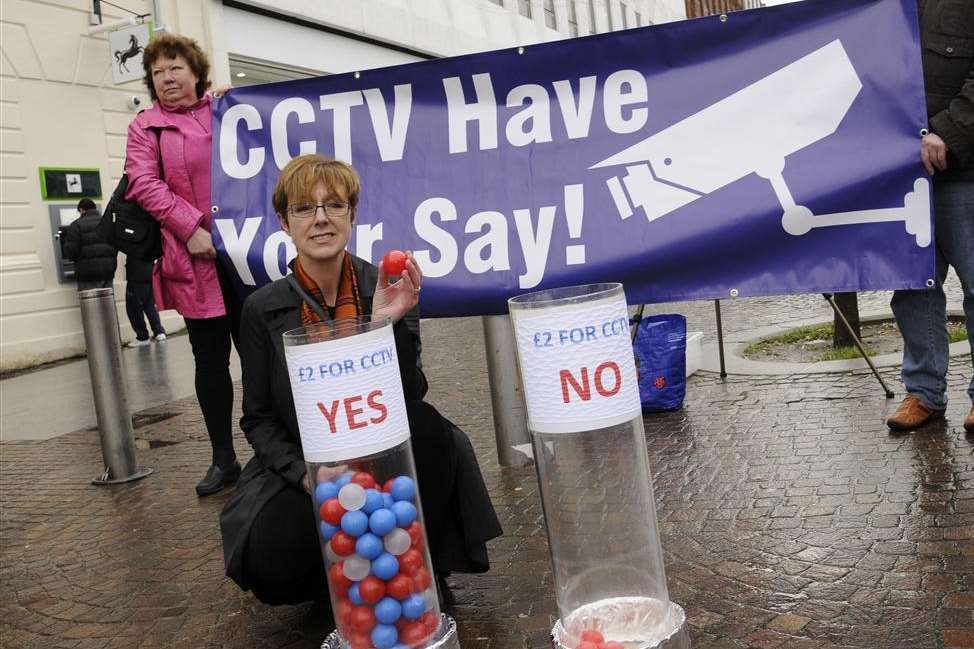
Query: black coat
x,y
94,259
448,470
947,39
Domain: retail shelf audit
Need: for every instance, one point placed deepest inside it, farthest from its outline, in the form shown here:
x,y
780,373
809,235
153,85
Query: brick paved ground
x,y
790,518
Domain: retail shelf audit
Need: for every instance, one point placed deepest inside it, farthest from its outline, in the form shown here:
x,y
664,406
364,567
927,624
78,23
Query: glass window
x,y
639,19
608,12
549,14
625,17
524,8
572,19
591,16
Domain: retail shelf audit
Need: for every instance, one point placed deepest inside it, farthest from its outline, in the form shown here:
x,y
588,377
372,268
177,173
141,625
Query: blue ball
x,y
373,501
387,500
343,480
388,610
384,636
353,595
368,546
324,491
413,606
382,521
385,566
399,646
403,488
327,530
355,523
405,513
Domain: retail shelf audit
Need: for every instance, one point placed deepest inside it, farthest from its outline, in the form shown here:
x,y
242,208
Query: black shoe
x,y
447,601
217,478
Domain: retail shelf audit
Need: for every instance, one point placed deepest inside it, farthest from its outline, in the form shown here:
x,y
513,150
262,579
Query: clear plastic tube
x,y
590,451
355,436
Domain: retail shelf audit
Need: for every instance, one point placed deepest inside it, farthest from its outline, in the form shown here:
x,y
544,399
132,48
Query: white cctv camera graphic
x,y
753,130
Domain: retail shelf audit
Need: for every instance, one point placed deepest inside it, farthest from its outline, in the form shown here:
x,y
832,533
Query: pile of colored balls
x,y
379,574
594,640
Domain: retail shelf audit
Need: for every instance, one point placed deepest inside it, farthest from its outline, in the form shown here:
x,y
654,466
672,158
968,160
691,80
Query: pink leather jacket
x,y
180,203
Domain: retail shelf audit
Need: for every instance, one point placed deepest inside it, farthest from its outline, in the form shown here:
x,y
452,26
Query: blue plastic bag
x,y
661,358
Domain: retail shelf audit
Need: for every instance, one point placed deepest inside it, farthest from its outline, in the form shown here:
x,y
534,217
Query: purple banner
x,y
771,151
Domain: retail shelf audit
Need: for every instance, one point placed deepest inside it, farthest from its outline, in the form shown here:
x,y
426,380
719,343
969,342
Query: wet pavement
x,y
790,517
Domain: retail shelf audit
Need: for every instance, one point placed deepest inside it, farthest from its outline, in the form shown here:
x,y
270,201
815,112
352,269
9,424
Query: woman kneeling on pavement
x,y
270,535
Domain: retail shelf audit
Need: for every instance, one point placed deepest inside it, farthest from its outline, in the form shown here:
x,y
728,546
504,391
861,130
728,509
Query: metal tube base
x,y
677,638
446,637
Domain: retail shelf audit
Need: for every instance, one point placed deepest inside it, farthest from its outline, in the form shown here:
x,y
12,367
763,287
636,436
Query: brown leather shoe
x,y
912,414
969,422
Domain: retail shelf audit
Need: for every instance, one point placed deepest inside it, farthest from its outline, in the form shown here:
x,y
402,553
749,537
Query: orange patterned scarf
x,y
347,303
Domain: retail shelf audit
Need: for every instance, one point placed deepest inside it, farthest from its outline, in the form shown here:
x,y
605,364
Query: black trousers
x,y
210,339
139,305
283,560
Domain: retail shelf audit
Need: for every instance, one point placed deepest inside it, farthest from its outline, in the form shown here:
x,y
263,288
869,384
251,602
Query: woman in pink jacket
x,y
168,166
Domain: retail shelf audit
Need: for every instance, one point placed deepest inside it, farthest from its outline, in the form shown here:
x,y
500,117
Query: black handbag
x,y
129,227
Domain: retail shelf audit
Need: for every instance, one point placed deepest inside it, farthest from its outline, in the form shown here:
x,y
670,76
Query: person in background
x,y
168,165
139,302
94,259
947,151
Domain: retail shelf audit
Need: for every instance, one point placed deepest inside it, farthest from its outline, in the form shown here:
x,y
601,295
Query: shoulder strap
x,y
310,301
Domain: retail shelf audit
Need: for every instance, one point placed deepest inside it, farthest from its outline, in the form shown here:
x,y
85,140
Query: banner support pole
x,y
858,343
720,339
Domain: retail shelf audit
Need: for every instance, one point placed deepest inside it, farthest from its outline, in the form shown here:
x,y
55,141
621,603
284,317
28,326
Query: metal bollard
x,y
506,393
100,321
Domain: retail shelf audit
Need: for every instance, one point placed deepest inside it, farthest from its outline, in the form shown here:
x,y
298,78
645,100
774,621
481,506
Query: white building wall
x,y
58,106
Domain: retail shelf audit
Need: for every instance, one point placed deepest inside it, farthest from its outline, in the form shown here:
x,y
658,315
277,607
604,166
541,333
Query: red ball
x,y
410,560
593,636
612,644
343,544
400,586
371,590
357,640
332,511
364,479
394,262
413,634
401,623
422,579
387,487
431,621
362,618
587,644
416,536
339,582
343,615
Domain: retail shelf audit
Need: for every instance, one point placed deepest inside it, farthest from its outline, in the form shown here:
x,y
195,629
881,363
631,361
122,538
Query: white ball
x,y
352,497
330,554
356,568
397,541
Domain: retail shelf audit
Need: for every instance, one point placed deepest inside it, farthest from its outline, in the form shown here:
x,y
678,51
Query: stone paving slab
x,y
790,518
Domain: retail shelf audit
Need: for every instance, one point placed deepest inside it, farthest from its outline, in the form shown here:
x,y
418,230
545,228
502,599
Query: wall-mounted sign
x,y
59,183
126,46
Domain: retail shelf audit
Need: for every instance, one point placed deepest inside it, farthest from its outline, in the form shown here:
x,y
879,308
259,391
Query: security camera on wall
x,y
134,102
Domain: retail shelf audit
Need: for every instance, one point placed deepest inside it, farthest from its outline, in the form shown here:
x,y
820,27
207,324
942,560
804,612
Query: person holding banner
x,y
270,537
947,152
168,167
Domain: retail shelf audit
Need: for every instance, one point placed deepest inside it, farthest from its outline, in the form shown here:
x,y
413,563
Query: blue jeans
x,y
922,315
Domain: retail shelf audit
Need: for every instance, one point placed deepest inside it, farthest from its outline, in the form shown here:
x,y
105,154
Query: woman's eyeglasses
x,y
332,210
